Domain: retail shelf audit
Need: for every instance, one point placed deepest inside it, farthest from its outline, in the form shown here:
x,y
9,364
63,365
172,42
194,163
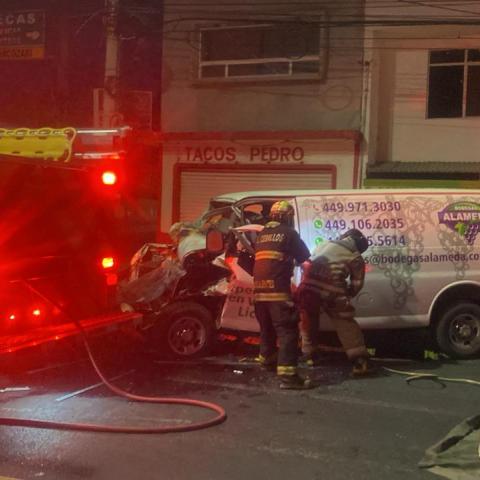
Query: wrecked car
x,y
181,287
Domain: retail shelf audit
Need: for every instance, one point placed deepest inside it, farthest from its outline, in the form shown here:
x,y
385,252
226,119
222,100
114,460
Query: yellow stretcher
x,y
54,144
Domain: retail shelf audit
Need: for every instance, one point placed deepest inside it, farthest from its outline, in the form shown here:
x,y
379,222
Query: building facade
x,y
260,95
55,59
422,94
263,95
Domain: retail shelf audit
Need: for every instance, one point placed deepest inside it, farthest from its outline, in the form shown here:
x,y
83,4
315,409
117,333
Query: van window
x,y
256,213
222,219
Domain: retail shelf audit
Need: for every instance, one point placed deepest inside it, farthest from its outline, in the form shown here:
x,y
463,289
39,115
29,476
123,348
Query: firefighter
x,y
332,278
277,247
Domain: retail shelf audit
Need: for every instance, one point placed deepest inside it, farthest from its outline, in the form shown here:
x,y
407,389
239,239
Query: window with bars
x,y
281,51
454,83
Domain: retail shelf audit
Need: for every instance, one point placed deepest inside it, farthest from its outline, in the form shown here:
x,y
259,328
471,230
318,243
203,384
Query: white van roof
x,y
236,196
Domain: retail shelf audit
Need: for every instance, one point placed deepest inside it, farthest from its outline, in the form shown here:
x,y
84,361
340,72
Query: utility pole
x,y
111,80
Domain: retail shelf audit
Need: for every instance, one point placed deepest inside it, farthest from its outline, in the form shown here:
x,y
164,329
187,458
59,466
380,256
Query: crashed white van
x,y
423,263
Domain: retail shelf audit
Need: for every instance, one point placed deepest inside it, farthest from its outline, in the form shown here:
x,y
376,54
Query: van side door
x,y
379,217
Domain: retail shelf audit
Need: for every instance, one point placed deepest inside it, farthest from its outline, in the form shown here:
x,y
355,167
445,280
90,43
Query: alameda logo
x,y
463,218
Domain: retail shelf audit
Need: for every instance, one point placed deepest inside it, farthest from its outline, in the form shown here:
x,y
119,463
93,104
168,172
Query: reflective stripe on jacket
x,y
276,248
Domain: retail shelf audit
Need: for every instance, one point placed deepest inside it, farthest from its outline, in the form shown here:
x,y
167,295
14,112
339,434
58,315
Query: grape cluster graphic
x,y
471,232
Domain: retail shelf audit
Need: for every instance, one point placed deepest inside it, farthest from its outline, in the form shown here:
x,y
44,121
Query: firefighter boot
x,y
311,359
362,368
295,382
268,363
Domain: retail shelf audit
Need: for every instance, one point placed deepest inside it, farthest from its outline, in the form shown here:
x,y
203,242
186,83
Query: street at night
x,y
344,428
239,240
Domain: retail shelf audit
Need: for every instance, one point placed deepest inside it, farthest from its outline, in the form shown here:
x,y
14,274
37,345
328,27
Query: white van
x,y
423,263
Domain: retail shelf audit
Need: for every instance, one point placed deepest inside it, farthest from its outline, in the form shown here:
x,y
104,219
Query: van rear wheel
x,y
457,332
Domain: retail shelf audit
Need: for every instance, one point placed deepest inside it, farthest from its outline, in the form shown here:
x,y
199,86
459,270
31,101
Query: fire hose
x,y
412,376
34,423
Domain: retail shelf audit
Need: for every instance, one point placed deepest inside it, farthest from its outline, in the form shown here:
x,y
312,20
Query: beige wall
x,y
396,83
291,110
318,105
415,138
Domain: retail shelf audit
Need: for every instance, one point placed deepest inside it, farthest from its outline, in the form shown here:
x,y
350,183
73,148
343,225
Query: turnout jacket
x,y
336,267
276,248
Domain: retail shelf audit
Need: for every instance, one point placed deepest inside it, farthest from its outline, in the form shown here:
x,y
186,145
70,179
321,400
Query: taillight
x,y
108,262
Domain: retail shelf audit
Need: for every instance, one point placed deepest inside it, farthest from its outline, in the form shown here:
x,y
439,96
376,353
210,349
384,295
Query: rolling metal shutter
x,y
197,187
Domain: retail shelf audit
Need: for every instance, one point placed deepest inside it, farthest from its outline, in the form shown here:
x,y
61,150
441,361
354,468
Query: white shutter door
x,y
197,187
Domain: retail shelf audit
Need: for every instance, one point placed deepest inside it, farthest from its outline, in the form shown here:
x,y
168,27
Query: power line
x,y
380,22
336,48
334,18
424,4
313,3
381,4
340,21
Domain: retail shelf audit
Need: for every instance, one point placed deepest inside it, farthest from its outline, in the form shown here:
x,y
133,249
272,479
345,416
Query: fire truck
x,y
74,203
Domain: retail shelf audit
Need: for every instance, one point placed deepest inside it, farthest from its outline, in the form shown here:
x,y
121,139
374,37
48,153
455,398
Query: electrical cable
x,y
33,423
440,7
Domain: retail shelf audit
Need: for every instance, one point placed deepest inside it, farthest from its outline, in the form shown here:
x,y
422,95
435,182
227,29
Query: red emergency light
x,y
111,279
108,262
29,315
109,177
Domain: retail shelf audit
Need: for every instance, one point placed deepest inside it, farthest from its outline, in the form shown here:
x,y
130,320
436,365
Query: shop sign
x,y
270,154
22,35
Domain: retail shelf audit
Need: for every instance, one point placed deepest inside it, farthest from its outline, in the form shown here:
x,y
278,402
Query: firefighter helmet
x,y
361,243
281,211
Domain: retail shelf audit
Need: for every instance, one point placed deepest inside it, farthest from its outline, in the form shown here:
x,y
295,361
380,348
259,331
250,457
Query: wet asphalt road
x,y
376,428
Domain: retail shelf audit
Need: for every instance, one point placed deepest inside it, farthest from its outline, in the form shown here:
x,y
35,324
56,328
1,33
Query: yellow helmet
x,y
281,211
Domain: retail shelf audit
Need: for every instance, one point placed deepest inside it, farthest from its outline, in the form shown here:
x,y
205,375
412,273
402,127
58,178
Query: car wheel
x,y
188,330
457,332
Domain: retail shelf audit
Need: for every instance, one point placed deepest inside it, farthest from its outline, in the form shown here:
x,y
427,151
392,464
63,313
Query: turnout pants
x,y
341,312
279,321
